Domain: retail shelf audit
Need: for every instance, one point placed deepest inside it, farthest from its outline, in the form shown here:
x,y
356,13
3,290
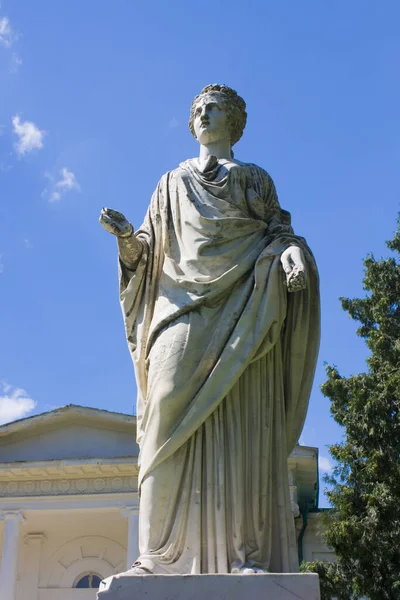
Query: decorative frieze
x,y
66,487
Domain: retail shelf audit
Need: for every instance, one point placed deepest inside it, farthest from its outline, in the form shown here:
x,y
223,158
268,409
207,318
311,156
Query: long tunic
x,y
224,360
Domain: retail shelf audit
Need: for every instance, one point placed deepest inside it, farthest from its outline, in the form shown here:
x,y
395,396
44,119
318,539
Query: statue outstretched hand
x,y
130,249
115,222
292,260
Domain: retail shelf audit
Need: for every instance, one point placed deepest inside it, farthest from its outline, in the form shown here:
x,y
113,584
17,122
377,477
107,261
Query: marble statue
x,y
221,308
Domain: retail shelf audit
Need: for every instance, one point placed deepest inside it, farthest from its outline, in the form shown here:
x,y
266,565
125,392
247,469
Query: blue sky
x,y
94,105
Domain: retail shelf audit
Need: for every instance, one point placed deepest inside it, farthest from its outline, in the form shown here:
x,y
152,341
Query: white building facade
x,y
69,506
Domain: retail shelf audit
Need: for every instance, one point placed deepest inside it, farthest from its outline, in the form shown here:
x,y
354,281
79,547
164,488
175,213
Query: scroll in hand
x,y
292,261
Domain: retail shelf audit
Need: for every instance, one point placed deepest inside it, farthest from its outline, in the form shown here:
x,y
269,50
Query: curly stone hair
x,y
235,105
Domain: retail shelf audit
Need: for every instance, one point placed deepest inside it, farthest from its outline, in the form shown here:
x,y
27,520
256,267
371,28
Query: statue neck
x,y
221,149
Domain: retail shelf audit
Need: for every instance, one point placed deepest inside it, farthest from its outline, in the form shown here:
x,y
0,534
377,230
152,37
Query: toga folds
x,y
224,360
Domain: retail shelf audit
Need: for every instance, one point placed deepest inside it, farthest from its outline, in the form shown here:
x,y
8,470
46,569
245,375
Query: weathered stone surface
x,y
221,309
273,586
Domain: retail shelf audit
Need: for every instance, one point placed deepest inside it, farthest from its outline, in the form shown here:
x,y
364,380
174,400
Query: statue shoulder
x,y
259,179
253,170
261,173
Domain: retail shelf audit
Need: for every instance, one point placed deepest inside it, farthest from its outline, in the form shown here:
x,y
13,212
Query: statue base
x,y
271,586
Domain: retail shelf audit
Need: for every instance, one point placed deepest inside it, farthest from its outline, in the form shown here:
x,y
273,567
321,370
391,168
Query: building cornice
x,y
63,502
68,477
70,468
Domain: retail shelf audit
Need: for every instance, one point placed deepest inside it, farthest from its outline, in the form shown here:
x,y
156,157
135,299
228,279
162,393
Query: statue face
x,y
211,120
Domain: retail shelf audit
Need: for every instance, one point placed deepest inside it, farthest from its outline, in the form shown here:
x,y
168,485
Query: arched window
x,y
90,580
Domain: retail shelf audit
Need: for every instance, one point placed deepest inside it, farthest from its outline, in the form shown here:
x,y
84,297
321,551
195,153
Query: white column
x,y
9,558
132,514
33,542
293,494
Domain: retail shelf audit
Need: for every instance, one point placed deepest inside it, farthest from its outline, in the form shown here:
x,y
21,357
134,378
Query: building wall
x,y
70,442
76,542
73,543
75,497
314,547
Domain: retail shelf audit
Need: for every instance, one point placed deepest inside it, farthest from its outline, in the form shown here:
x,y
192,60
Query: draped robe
x,y
224,359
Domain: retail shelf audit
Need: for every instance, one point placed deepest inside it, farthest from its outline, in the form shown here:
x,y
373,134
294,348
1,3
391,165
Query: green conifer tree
x,y
363,526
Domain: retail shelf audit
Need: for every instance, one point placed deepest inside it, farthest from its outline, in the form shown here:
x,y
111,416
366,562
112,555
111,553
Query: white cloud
x,y
55,197
66,183
30,136
14,403
15,63
7,34
7,39
325,464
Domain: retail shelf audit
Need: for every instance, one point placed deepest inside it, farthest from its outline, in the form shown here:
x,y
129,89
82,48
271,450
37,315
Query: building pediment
x,y
69,433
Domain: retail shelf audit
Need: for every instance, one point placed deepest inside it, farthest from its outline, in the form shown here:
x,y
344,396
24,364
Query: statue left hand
x,y
292,260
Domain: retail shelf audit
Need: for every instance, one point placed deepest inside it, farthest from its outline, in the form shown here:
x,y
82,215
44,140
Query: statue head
x,y
233,105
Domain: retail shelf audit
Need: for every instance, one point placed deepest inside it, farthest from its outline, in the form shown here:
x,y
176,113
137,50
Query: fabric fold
x,y
206,306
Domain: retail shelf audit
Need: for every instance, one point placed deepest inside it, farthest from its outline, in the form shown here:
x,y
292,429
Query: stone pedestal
x,y
274,586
